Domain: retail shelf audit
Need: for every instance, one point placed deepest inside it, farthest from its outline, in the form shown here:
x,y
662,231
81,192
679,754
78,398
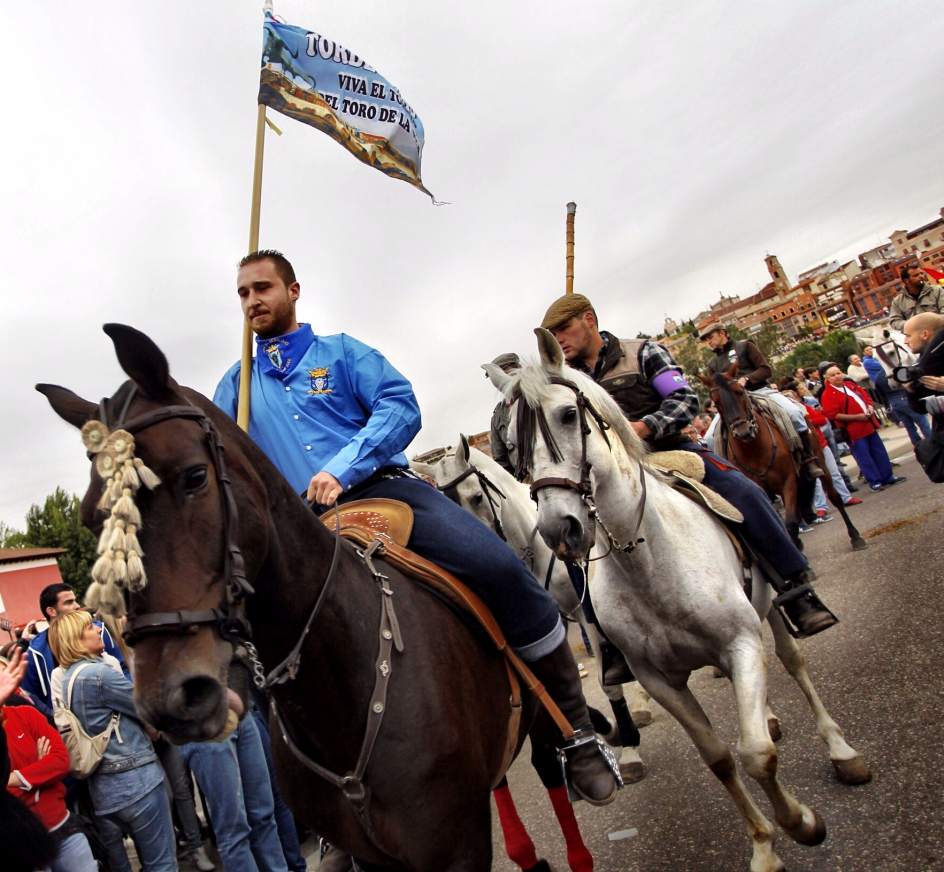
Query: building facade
x,y
24,572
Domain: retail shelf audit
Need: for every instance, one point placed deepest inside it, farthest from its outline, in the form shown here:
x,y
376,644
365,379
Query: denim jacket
x,y
129,766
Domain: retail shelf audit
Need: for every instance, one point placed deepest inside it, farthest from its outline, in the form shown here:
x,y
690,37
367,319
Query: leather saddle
x,y
685,471
390,522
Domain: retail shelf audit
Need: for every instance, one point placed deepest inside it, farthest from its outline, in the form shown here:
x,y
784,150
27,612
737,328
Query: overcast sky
x,y
695,137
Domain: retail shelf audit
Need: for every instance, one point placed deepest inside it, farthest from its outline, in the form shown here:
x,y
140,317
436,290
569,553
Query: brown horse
x,y
756,445
399,779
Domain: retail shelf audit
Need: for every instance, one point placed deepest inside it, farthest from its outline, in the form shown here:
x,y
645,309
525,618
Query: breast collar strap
x,y
229,617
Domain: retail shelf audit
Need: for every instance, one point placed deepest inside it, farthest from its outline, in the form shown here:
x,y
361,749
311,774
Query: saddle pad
x,y
687,463
711,500
780,419
383,519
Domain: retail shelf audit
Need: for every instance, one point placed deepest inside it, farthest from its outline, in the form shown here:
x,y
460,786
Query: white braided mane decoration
x,y
119,563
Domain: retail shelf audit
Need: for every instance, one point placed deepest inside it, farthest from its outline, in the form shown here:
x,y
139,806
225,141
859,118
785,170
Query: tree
x,y
692,357
768,339
58,524
838,346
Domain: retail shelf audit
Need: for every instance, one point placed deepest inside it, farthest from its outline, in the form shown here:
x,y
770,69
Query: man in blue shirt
x,y
335,417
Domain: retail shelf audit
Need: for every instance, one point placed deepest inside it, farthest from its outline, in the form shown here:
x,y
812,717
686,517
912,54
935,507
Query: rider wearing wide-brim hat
x,y
754,375
651,390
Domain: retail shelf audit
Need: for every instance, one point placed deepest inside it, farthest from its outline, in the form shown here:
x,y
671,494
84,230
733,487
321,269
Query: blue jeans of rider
x,y
464,546
912,420
234,779
149,822
762,528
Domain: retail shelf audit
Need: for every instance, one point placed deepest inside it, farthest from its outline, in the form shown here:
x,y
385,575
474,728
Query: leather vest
x,y
731,352
627,384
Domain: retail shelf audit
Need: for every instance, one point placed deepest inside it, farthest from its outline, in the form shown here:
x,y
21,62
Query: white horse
x,y
891,352
502,503
675,602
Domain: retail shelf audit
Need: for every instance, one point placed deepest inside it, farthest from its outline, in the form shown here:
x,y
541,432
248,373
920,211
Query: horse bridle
x,y
584,487
493,494
229,618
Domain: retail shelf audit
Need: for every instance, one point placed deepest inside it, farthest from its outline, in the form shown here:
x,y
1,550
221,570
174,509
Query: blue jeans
x,y
913,421
149,823
74,855
284,821
763,529
464,546
234,779
819,498
873,459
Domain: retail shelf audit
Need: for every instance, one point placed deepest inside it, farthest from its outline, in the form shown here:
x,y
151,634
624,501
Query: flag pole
x,y
571,214
245,368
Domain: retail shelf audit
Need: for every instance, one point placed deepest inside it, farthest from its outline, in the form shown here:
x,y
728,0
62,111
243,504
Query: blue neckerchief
x,y
278,355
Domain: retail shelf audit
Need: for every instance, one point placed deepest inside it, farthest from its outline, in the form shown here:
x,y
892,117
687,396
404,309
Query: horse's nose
x,y
571,535
195,699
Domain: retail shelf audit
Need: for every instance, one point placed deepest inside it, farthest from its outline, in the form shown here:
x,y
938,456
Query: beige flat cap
x,y
711,328
563,309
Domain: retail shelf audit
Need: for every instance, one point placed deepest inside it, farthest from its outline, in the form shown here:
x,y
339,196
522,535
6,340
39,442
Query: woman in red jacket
x,y
39,762
848,406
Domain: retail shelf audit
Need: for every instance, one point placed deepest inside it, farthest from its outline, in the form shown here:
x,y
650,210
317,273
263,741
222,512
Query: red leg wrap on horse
x,y
518,843
579,857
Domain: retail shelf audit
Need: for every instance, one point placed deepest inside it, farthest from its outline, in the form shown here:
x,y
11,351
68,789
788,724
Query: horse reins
x,y
584,487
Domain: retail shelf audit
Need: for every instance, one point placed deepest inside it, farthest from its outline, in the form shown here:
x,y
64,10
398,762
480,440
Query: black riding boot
x,y
808,460
590,775
616,670
803,608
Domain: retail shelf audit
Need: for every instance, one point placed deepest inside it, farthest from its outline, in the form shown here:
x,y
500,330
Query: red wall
x,y
20,591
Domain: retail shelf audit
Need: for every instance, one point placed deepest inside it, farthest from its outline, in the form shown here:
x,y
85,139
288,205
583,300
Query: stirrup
x,y
795,593
579,739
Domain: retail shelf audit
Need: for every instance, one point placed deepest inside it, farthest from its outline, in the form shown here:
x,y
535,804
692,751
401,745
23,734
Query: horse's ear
x,y
551,355
141,359
464,451
732,371
67,405
426,470
497,376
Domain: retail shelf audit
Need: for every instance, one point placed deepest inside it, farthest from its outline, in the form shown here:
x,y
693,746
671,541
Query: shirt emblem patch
x,y
274,353
318,378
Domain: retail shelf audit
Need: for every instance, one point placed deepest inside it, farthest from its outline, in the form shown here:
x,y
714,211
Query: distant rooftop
x,y
15,555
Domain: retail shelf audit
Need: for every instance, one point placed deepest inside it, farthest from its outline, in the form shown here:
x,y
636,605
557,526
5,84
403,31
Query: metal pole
x,y
245,369
571,214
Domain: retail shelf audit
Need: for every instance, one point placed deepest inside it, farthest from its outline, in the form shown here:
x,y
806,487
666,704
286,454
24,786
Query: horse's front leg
x,y
849,765
682,705
757,750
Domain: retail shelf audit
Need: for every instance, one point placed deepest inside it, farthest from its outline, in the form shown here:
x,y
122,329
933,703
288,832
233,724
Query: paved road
x,y
878,672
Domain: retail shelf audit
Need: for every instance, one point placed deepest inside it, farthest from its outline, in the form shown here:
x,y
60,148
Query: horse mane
x,y
533,384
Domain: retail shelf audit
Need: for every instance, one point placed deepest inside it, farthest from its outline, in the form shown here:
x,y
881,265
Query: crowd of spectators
x,y
144,790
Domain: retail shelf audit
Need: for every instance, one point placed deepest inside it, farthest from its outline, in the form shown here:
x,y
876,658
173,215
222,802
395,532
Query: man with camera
x,y
924,335
918,296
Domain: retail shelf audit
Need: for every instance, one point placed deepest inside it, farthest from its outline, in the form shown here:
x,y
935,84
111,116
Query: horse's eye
x,y
569,415
195,479
476,500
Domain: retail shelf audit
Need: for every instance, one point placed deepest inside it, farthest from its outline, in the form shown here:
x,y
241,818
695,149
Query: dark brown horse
x,y
231,549
756,445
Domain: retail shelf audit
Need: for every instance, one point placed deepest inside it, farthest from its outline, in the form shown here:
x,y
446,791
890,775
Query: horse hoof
x,y
773,727
542,866
641,717
859,544
810,835
852,771
632,770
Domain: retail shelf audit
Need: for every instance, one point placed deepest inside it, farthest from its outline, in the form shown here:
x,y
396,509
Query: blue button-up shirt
x,y
326,403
